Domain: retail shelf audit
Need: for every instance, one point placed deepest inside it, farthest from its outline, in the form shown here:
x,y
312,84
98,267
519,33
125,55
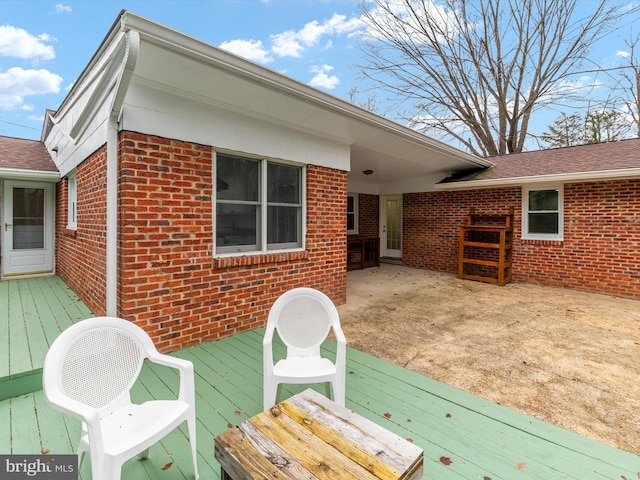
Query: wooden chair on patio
x,y
303,318
88,374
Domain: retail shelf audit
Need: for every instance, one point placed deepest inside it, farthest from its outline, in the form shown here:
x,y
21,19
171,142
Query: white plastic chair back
x,y
302,323
303,318
110,358
88,374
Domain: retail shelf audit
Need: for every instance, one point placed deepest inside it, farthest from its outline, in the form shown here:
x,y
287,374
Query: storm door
x,y
27,228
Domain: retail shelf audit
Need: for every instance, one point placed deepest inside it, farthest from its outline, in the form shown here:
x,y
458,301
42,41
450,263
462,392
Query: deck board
x,y
5,359
482,439
38,310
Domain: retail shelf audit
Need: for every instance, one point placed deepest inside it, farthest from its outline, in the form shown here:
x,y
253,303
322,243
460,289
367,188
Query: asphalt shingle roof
x,y
620,155
23,154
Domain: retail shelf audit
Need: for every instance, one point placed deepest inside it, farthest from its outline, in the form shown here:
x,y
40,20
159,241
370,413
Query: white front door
x,y
27,228
391,226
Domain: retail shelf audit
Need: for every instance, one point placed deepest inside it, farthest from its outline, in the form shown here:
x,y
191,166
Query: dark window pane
x,y
283,184
351,222
237,225
283,225
237,179
543,200
543,223
351,201
28,218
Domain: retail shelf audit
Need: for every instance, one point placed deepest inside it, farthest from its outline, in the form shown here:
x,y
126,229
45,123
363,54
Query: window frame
x,y
526,234
263,204
72,200
355,197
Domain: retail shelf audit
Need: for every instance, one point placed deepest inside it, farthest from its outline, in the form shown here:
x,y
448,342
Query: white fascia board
x,y
576,177
22,174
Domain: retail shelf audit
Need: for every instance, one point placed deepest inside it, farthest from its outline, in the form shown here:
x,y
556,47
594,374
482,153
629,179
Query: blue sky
x,y
44,45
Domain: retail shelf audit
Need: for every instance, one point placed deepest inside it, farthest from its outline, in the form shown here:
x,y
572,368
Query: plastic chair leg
x,y
191,426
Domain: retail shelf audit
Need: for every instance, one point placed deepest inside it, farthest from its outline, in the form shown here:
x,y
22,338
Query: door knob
x,y
6,226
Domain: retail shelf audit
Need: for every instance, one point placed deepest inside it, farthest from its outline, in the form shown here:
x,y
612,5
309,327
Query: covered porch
x,y
463,436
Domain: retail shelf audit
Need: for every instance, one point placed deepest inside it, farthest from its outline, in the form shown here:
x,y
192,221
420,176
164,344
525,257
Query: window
x,y
352,213
72,199
259,205
542,213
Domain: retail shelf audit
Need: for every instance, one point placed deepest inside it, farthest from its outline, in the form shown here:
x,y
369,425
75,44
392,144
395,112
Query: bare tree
x,y
476,71
628,84
371,102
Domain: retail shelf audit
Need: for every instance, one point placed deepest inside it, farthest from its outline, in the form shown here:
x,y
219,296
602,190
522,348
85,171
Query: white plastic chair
x,y
303,318
88,373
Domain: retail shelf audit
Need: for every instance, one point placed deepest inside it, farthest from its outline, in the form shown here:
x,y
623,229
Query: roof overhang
x,y
574,177
394,152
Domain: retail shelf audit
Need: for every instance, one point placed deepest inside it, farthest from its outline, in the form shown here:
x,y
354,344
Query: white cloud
x,y
293,43
60,9
311,33
338,24
18,43
623,54
17,83
322,77
249,49
401,22
287,44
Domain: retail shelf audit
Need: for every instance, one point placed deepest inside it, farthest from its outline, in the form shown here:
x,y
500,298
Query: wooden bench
x,y
309,436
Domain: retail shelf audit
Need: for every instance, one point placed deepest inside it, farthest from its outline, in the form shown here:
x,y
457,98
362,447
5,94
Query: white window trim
x,y
263,246
525,212
72,200
355,214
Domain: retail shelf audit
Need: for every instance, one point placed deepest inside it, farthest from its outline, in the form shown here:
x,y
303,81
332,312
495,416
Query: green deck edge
x,y
19,384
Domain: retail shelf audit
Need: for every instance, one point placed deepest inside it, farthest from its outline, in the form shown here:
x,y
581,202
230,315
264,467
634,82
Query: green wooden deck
x,y
38,309
482,440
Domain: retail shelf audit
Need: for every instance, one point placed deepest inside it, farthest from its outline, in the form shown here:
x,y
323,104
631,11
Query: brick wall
x,y
81,253
601,242
169,281
601,235
368,215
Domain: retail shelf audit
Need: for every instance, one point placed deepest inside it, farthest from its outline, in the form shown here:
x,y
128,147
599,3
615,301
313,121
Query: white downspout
x,y
129,61
112,217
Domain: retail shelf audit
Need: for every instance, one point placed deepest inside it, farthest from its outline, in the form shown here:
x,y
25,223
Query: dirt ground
x,y
569,358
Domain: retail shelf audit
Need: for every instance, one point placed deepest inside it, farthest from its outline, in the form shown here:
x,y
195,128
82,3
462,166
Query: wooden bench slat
x,y
310,436
375,448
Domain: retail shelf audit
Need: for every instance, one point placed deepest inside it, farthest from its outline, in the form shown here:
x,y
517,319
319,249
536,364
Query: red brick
x,y
166,269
